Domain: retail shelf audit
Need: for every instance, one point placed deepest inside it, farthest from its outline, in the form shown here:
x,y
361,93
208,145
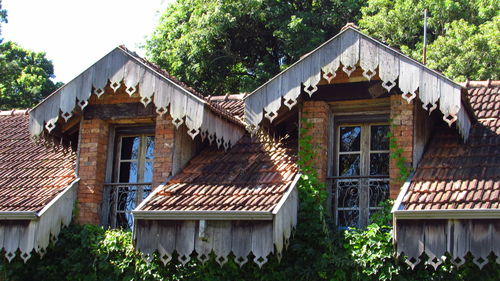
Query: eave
x,y
202,215
18,215
447,214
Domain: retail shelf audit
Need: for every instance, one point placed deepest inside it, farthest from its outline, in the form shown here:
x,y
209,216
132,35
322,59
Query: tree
x,y
3,19
234,46
462,34
24,77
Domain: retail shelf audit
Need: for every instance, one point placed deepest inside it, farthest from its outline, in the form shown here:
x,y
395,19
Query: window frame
x,y
113,186
364,192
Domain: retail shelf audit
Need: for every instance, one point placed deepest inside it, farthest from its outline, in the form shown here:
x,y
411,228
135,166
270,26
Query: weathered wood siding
x,y
352,49
119,67
435,238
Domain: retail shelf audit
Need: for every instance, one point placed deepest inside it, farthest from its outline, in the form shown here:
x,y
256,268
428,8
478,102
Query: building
x,y
193,174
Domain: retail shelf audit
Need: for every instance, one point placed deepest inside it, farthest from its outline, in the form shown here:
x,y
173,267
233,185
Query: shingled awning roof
x,y
254,181
37,187
457,185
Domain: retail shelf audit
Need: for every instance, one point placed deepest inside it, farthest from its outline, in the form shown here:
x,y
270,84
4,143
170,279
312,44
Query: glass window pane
x,y
378,137
348,218
347,192
349,165
130,148
379,191
148,171
150,147
379,164
128,172
350,138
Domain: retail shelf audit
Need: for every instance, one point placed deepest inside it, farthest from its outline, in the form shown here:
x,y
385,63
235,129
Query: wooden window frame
x,y
364,179
113,185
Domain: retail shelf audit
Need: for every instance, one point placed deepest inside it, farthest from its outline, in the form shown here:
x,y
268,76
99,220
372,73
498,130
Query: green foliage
x,y
235,46
397,154
24,77
3,19
468,51
463,34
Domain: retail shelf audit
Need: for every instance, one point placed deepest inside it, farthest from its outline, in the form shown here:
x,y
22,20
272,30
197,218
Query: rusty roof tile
x,y
253,175
466,175
31,175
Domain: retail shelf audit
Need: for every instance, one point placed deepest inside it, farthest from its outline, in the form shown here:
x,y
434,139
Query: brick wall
x,y
316,113
402,117
164,140
92,169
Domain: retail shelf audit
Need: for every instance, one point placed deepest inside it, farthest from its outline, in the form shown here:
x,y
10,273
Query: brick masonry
x,y
316,113
402,116
164,140
92,169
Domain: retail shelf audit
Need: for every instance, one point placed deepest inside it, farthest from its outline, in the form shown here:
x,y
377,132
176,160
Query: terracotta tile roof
x,y
251,176
231,103
454,175
31,175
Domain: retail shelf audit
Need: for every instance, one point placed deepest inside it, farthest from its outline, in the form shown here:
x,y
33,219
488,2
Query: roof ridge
x,y
13,112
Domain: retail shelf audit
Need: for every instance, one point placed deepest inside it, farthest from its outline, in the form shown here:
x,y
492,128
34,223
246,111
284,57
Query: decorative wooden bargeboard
x,y
118,67
456,237
24,236
351,49
199,237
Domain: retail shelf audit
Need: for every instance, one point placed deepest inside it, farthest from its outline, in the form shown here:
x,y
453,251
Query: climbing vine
x,y
397,155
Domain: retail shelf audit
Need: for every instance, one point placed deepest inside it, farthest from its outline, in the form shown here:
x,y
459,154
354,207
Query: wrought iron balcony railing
x,y
120,199
354,198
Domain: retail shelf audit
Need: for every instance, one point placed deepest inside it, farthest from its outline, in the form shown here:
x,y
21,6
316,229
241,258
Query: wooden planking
x,y
410,241
457,237
459,240
184,148
481,241
421,131
221,237
118,111
379,106
435,241
184,240
127,75
354,48
241,241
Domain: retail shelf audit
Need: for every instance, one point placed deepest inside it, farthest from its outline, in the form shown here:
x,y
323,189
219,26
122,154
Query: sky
x,y
76,33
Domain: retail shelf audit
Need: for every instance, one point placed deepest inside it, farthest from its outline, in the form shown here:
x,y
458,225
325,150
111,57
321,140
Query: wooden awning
x,y
352,49
153,85
28,231
199,233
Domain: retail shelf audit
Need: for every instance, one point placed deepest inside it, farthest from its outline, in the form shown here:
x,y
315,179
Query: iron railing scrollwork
x,y
355,197
121,199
